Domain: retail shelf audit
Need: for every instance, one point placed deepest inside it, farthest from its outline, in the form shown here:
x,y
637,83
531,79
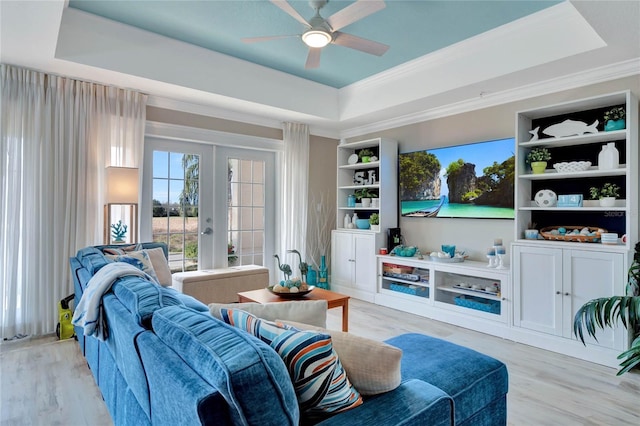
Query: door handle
x,y
207,231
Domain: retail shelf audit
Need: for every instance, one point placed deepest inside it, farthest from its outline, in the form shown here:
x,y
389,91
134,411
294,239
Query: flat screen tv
x,y
470,181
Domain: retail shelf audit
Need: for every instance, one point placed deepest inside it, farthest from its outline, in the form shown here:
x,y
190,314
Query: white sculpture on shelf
x,y
534,134
570,128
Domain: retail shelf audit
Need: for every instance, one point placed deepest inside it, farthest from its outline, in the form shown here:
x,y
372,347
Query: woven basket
x,y
547,235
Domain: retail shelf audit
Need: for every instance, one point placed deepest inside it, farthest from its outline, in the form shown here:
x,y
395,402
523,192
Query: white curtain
x,y
56,137
293,194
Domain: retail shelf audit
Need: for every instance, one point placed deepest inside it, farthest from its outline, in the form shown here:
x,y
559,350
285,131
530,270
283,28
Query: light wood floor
x,y
46,382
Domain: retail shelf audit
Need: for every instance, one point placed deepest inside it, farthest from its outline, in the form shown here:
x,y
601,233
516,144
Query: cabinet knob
x,y
558,292
504,299
567,294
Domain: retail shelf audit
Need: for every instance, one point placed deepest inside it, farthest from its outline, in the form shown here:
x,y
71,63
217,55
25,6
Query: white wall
x,y
475,235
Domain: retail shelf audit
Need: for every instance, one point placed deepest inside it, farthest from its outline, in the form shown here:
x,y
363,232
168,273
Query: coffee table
x,y
334,300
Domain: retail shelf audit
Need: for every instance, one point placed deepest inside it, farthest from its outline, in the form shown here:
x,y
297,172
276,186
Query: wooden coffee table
x,y
334,300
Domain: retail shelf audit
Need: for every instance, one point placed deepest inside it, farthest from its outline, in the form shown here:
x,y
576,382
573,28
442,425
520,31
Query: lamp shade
x,y
122,185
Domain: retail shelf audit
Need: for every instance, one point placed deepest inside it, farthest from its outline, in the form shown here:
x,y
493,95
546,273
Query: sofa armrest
x,y
178,395
414,402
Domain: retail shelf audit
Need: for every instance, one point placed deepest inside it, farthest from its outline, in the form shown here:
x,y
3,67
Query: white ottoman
x,y
221,285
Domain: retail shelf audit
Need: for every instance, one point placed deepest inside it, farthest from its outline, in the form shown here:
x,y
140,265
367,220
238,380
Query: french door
x,y
213,206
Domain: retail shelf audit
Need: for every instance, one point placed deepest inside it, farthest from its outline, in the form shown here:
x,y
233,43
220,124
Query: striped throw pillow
x,y
321,383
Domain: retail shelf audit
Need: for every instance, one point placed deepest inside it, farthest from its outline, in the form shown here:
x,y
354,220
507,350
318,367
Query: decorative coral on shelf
x,y
118,231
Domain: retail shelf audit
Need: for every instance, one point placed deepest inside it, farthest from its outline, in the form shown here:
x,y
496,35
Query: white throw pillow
x,y
312,312
160,265
373,367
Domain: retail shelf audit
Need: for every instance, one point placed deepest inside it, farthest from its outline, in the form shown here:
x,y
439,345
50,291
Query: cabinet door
x,y
342,259
364,254
590,275
538,289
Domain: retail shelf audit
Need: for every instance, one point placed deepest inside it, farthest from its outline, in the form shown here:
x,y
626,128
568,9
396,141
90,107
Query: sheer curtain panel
x,y
56,136
293,195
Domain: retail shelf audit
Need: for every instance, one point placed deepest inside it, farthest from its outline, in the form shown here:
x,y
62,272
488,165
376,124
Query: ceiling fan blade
x,y
354,12
359,43
285,6
266,38
313,59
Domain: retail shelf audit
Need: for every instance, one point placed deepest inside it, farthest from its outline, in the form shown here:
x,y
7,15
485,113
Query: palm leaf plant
x,y
608,311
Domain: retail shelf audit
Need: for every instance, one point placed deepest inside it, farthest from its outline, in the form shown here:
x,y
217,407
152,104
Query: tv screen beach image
x,y
467,181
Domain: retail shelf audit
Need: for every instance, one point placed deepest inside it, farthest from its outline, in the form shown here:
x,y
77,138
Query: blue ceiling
x,y
412,29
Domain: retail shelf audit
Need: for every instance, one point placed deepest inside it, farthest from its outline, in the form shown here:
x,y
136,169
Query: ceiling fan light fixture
x,y
316,38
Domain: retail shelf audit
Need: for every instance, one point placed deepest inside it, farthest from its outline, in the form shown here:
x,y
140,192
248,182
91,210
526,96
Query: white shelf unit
x,y
621,218
353,252
552,279
386,185
430,289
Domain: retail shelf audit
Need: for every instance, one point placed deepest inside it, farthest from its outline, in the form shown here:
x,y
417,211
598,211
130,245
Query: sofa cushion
x,y
246,371
139,259
142,298
320,382
155,255
312,312
160,265
472,379
373,367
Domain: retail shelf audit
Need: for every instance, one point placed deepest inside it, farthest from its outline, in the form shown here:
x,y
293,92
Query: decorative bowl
x,y
292,295
572,166
404,251
552,233
362,223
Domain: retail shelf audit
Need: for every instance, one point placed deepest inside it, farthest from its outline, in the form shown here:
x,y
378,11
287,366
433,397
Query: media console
x,y
468,294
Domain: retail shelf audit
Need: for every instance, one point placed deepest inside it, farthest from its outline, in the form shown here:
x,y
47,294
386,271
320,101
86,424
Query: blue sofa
x,y
166,360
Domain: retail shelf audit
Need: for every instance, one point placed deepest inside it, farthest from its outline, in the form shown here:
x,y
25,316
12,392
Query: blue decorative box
x,y
570,200
478,303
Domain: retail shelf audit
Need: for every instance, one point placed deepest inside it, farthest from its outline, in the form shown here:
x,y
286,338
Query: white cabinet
x,y
551,284
537,273
353,264
353,250
555,275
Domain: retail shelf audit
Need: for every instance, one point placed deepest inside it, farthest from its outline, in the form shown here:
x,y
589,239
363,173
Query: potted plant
x,y
374,222
614,119
607,311
538,158
607,194
364,195
365,154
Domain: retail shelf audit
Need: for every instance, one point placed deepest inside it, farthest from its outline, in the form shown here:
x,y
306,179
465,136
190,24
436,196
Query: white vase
x,y
607,201
609,157
366,202
375,228
375,203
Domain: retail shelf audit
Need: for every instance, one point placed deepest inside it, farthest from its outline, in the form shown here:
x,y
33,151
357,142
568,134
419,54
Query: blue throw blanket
x,y
88,314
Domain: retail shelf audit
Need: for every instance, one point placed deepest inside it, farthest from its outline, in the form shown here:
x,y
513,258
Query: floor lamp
x,y
122,194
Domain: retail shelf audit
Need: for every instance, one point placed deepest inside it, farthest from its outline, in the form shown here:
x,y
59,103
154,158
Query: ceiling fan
x,y
321,32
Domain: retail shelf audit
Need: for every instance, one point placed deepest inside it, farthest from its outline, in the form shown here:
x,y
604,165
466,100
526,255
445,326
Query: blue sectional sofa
x,y
166,360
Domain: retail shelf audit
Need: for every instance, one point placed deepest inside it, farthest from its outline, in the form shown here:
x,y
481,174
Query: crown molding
x,y
154,129
330,131
567,82
212,111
